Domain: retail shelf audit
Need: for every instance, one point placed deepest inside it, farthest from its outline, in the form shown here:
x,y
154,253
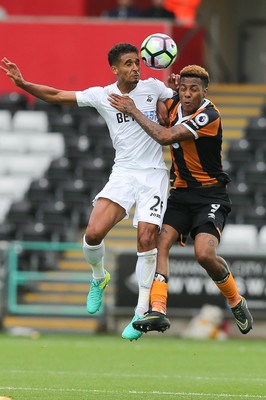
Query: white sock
x,y
145,270
94,255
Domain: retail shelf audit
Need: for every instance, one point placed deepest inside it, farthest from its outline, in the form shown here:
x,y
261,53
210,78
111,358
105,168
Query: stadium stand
x,y
244,149
26,150
67,154
53,203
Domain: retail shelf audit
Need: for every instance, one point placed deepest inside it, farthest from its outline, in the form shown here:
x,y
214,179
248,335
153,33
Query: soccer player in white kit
x,y
139,175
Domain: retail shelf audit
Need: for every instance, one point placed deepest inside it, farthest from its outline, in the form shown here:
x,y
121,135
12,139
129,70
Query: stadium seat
x,y
64,123
239,237
260,196
59,171
238,154
77,148
80,112
7,231
255,174
259,150
256,126
228,167
40,191
28,165
262,238
106,151
77,196
33,231
14,187
5,203
75,192
239,151
42,143
98,136
20,212
5,121
13,102
255,215
84,214
50,109
11,143
242,197
93,172
240,194
27,121
52,144
55,216
90,122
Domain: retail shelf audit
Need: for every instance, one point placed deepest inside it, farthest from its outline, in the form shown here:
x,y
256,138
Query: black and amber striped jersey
x,y
197,162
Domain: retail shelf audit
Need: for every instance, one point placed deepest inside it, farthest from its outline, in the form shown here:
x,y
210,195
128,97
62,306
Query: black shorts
x,y
191,211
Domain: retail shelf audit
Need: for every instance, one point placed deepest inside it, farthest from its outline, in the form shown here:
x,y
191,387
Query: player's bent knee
x,y
93,237
204,258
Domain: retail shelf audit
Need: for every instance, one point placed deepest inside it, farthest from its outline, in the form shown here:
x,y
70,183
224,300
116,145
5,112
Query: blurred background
x,y
53,160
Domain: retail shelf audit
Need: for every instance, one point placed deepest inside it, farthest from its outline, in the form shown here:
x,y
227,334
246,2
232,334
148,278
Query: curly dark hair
x,y
118,50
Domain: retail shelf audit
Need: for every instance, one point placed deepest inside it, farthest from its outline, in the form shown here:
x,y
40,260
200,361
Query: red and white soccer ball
x,y
158,51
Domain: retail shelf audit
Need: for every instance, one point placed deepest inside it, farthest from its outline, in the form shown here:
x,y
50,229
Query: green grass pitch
x,y
61,367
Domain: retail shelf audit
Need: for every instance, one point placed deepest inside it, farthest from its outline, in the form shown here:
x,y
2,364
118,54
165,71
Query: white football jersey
x,y
133,147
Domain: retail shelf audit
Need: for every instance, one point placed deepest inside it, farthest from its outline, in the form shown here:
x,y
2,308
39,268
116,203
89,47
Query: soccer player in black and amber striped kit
x,y
198,203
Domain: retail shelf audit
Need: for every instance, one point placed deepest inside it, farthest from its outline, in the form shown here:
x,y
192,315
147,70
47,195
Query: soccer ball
x,y
158,51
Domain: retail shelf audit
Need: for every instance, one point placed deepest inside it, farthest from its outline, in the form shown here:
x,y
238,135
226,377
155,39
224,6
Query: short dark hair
x,y
118,50
195,71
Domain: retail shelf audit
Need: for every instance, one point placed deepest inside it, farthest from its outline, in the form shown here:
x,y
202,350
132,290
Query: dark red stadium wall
x,y
74,55
96,7
46,7
63,7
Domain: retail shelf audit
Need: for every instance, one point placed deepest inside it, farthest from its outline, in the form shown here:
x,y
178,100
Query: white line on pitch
x,y
124,375
218,395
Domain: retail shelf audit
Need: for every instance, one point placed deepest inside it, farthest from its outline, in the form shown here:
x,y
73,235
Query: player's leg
x,y
145,270
104,216
156,319
206,242
151,196
111,205
176,225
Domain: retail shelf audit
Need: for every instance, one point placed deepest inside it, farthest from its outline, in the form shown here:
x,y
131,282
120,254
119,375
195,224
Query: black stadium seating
x,y
57,205
247,159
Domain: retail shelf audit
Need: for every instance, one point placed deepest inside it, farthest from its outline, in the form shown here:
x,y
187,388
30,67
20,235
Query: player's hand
x,y
162,113
12,71
122,103
173,81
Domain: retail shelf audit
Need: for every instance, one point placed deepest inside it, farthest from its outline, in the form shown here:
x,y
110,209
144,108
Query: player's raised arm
x,y
46,93
173,81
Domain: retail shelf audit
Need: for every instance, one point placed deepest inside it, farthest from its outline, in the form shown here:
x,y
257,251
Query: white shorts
x,y
147,189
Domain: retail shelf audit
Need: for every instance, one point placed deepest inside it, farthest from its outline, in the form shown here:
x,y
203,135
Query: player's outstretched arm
x,y
43,92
